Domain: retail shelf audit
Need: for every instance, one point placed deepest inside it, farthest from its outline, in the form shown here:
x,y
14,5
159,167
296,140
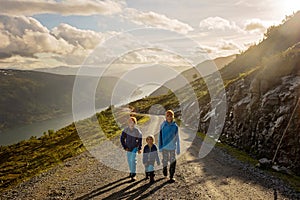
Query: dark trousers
x,y
169,156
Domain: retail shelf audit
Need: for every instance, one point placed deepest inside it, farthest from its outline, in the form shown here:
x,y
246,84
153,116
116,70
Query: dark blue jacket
x,y
168,138
131,138
150,155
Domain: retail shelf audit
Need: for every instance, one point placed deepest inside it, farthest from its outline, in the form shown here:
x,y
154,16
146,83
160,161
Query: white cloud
x,y
66,7
24,39
153,19
228,45
25,36
85,38
4,40
150,56
255,25
217,24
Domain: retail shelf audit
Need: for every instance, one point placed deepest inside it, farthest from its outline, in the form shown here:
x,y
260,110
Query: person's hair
x,y
133,119
170,112
150,136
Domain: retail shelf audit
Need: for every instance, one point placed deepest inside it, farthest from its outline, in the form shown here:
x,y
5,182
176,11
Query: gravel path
x,y
217,176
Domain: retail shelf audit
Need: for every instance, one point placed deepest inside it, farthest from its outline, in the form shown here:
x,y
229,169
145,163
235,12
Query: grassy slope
x,y
25,159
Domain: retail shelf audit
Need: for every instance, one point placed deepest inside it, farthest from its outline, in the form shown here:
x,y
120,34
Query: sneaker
x,y
151,180
172,180
133,178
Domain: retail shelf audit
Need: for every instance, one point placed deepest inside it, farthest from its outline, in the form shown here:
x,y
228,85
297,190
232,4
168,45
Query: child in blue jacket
x,y
131,140
150,155
168,143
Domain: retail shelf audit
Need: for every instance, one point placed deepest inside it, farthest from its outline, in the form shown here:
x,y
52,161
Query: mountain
x,y
62,70
262,90
30,96
193,74
65,70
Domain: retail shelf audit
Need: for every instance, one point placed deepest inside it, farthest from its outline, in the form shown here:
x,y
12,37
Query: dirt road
x,y
217,176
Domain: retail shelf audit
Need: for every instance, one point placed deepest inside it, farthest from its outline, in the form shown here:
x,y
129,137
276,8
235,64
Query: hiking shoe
x,y
151,180
172,180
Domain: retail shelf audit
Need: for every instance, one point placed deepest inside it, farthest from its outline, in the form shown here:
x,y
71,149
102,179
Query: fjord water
x,y
23,132
37,129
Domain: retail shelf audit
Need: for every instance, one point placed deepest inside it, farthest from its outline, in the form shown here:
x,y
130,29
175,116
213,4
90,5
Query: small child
x,y
150,155
131,140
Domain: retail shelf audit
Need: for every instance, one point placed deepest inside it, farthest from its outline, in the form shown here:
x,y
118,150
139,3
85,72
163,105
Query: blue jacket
x,y
168,138
131,138
150,155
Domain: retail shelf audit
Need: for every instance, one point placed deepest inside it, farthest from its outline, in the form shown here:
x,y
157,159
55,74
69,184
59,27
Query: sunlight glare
x,y
290,6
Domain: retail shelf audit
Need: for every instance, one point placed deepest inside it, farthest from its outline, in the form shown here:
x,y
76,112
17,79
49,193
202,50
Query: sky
x,y
51,33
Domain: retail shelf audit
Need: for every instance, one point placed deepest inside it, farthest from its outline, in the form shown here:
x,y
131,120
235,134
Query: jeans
x,y
131,159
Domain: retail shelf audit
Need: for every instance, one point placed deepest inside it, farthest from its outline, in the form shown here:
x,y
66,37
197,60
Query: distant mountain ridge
x,y
31,96
62,70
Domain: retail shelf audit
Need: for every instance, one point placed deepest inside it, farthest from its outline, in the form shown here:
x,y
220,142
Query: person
x,y
168,143
131,140
150,155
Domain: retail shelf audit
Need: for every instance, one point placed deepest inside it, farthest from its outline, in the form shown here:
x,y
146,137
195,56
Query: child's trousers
x,y
131,159
169,156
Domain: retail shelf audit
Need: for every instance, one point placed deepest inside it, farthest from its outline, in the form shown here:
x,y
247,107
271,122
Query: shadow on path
x,y
154,189
105,188
137,192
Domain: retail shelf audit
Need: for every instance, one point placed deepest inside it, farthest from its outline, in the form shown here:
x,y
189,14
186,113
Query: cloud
x,y
218,24
255,25
24,40
66,7
25,36
228,45
153,19
150,56
85,38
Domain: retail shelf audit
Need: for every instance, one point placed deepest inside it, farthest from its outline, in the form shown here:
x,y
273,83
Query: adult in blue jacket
x,y
131,140
169,143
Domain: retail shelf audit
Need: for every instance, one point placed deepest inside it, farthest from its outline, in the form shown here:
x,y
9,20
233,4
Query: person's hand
x,y
126,149
139,151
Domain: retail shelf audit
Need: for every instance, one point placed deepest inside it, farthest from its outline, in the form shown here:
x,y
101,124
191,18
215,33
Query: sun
x,y
290,6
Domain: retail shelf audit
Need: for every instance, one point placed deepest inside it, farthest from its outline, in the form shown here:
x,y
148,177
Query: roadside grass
x,y
20,162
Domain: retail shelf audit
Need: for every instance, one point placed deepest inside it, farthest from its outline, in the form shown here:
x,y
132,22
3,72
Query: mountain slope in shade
x,y
30,96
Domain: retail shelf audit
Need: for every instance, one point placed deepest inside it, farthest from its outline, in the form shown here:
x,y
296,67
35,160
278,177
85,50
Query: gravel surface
x,y
217,176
